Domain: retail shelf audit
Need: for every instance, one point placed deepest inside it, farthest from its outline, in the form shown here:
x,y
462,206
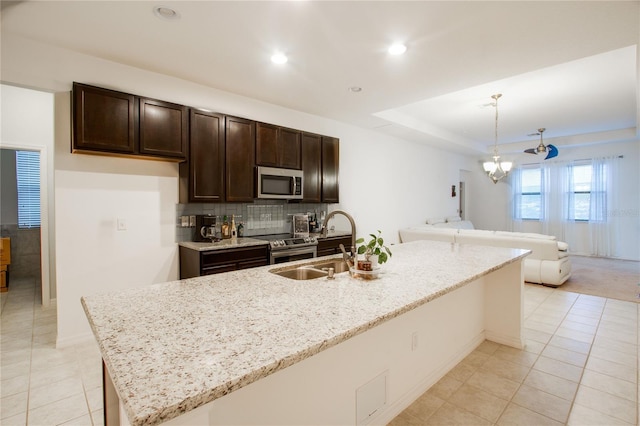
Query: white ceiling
x,y
570,66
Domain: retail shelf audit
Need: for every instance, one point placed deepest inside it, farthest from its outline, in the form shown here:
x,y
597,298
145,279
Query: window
x,y
28,178
530,199
584,202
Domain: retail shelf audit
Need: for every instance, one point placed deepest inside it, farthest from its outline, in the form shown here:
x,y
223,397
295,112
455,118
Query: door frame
x,y
45,272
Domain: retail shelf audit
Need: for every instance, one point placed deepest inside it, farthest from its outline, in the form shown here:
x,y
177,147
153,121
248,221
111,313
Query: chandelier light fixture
x,y
496,169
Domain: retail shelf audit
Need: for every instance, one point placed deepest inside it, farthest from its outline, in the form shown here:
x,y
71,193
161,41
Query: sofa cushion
x,y
463,224
562,246
427,232
546,263
441,225
435,220
525,235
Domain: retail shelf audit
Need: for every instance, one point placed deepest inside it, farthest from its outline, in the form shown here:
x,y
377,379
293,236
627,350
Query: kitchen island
x,y
253,347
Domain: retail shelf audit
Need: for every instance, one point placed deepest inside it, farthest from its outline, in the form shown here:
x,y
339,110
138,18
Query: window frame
x,y
28,189
571,193
539,193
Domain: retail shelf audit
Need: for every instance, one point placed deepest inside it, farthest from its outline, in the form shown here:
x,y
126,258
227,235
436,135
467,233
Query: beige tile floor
x,y
42,385
579,367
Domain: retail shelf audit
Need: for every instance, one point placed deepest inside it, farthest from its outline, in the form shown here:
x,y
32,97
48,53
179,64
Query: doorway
x,y
463,205
462,210
29,245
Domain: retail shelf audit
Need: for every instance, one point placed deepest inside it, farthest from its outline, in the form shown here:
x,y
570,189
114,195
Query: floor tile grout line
x,y
30,363
579,383
585,368
521,383
540,354
31,360
573,401
84,391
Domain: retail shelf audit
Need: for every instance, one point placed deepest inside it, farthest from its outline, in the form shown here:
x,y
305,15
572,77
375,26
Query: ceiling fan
x,y
551,150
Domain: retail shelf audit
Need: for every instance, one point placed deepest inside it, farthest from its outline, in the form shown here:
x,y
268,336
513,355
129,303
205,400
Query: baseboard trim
x,y
408,398
74,340
505,340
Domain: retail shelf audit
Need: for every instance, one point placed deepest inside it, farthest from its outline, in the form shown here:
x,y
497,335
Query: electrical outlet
x,y
184,220
122,224
414,341
192,221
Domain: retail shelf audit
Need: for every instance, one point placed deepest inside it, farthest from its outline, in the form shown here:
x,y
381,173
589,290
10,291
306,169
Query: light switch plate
x,y
122,224
192,221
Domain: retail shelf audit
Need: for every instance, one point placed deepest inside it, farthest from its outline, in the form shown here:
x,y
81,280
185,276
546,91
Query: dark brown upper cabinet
x,y
110,122
330,169
202,177
277,146
312,168
104,120
240,135
163,128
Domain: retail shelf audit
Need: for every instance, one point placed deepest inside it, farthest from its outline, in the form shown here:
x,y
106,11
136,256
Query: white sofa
x,y
548,263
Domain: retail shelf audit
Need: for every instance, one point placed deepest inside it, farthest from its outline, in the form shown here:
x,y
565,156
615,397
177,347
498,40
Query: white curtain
x,y
603,223
516,200
554,190
557,198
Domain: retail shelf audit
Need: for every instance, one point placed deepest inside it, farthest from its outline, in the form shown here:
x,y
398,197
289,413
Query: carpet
x,y
604,277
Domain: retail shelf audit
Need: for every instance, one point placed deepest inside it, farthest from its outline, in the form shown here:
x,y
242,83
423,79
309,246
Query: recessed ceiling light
x,y
397,49
355,89
166,13
279,58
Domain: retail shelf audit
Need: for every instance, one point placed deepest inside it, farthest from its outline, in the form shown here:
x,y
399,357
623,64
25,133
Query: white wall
x,y
490,203
386,183
27,123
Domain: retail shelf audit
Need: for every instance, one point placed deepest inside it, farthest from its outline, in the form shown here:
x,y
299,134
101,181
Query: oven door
x,y
289,255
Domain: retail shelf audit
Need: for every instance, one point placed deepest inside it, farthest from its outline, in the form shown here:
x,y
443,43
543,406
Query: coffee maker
x,y
205,228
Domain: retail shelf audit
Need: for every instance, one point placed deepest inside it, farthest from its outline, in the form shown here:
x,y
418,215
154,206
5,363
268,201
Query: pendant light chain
x,y
496,169
495,143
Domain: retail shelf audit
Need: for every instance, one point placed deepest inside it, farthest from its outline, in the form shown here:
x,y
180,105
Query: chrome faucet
x,y
353,228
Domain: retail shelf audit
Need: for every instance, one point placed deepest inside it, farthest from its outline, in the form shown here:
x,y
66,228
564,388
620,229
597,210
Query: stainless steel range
x,y
285,248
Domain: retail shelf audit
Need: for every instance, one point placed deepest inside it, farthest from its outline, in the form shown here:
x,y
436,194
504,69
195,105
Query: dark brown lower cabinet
x,y
194,263
331,245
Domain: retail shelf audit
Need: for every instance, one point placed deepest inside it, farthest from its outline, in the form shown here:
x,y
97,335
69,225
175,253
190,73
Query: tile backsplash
x,y
259,218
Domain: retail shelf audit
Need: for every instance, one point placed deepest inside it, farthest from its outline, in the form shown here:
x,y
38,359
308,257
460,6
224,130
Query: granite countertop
x,y
172,347
245,242
224,244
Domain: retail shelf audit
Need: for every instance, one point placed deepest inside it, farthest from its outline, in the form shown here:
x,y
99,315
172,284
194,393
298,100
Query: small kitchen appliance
x,y
278,184
205,228
300,225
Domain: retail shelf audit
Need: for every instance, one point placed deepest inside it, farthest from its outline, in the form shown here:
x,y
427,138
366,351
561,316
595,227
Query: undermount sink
x,y
310,271
338,265
302,273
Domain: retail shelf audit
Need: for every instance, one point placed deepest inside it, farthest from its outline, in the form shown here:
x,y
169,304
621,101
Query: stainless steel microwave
x,y
279,184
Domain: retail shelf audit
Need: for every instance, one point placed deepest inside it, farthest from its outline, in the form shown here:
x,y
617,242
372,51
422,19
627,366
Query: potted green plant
x,y
374,248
